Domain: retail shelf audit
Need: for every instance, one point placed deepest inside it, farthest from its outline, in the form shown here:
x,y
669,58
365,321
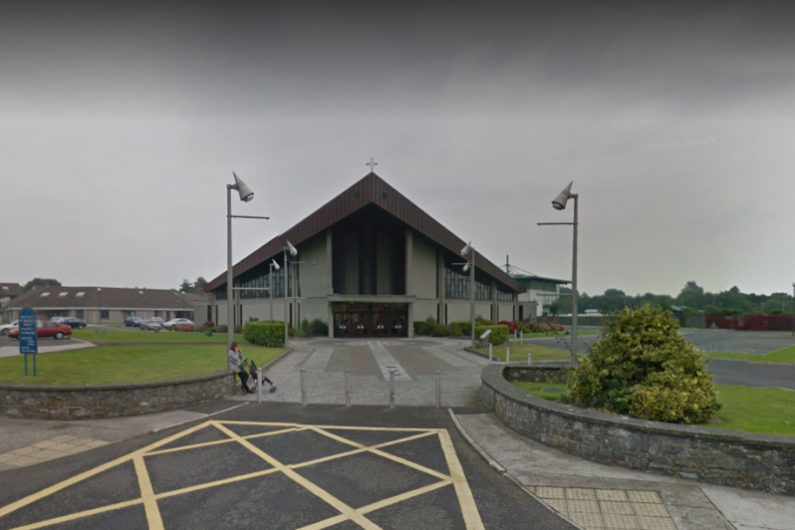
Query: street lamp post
x,y
273,266
293,252
468,252
793,309
246,195
99,294
559,204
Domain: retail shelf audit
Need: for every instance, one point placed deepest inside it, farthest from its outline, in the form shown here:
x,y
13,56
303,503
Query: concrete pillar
x,y
410,323
409,260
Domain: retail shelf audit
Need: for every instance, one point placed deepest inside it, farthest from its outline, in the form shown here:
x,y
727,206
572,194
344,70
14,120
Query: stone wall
x,y
723,457
111,401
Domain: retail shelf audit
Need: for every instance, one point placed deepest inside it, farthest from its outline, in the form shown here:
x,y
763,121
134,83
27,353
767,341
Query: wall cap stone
x,y
32,387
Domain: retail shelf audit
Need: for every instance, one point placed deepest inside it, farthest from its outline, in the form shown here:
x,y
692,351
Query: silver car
x,y
149,325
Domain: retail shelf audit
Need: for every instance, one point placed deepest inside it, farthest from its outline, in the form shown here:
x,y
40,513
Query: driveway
x,y
414,362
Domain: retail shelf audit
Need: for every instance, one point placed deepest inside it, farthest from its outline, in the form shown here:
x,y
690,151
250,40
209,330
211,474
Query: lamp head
x,y
293,251
467,249
466,267
563,197
244,191
275,265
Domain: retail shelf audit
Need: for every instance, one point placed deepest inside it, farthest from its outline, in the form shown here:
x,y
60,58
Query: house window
x,y
104,314
80,294
45,295
61,295
79,314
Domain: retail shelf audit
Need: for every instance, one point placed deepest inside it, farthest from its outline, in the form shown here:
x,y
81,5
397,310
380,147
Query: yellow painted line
x,y
73,516
468,507
5,510
390,429
230,480
363,449
343,508
266,423
218,442
148,494
378,505
383,454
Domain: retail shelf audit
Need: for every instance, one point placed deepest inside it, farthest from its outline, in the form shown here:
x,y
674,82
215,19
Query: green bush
x,y
238,330
643,367
210,329
480,321
464,325
425,327
315,328
222,328
499,334
268,333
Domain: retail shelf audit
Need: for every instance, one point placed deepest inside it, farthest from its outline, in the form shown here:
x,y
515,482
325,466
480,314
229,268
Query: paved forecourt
x,y
413,361
278,466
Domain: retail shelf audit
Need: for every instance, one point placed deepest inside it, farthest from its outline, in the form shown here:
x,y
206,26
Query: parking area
x,y
279,466
716,341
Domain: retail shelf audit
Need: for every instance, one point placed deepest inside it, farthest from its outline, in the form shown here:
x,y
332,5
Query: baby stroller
x,y
252,371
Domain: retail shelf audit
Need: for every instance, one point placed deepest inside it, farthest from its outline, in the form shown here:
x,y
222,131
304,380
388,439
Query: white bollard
x,y
521,337
507,354
438,389
259,385
516,335
391,389
347,389
303,386
529,359
489,352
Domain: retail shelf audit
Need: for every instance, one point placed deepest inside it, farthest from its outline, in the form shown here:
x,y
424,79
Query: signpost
x,y
28,341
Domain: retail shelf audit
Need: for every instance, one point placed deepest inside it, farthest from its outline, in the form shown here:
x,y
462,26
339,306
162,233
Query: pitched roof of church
x,y
371,189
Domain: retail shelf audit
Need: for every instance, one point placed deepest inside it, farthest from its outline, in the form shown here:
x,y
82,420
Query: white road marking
x,y
450,358
319,359
387,362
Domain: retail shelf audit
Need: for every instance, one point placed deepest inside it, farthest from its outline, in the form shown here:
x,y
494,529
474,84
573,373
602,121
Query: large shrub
x,y
268,333
313,328
644,368
464,325
499,334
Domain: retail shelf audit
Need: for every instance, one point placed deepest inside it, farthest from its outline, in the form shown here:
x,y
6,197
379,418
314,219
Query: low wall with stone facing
x,y
728,458
69,402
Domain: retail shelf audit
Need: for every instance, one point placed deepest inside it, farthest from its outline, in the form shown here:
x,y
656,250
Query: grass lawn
x,y
136,335
785,355
580,333
126,364
519,352
748,409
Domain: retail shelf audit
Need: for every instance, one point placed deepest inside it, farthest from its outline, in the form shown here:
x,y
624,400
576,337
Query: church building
x,y
370,262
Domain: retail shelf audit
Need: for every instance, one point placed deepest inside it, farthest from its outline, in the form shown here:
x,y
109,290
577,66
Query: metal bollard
x,y
507,354
490,352
529,359
521,337
516,335
391,389
259,385
96,332
438,389
104,332
347,389
303,386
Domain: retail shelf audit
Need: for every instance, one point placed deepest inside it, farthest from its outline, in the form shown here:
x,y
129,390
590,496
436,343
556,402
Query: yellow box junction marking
x,y
149,498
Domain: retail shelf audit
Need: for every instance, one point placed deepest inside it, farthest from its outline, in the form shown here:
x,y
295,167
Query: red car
x,y
47,329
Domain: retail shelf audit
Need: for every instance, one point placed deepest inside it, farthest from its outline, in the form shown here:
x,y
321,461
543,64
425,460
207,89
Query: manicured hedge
x,y
499,334
264,333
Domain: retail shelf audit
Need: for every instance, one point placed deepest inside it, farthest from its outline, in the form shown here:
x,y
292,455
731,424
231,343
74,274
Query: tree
x,y
692,296
198,286
186,286
41,282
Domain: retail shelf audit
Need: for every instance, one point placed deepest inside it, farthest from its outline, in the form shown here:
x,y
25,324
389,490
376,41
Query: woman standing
x,y
235,358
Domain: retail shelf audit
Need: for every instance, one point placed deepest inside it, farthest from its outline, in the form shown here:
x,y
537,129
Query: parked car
x,y
47,329
57,319
74,322
174,323
158,320
5,329
132,321
149,325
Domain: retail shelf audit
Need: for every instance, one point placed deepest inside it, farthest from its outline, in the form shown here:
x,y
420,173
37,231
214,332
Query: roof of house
x,y
106,298
10,290
527,277
371,189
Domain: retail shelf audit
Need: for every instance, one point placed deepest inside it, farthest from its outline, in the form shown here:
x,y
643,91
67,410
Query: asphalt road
x,y
752,374
433,480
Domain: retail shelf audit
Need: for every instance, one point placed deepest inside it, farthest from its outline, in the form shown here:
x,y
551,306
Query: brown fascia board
x,y
371,189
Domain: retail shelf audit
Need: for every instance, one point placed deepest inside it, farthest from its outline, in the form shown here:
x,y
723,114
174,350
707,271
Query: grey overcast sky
x,y
120,126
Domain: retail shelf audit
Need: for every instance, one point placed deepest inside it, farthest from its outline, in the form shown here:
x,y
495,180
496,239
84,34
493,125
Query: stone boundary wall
x,y
724,457
70,402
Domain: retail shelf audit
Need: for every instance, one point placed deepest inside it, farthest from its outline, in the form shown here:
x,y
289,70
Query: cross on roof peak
x,y
372,163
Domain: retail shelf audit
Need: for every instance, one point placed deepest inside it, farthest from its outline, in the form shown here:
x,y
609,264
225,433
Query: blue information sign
x,y
28,341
